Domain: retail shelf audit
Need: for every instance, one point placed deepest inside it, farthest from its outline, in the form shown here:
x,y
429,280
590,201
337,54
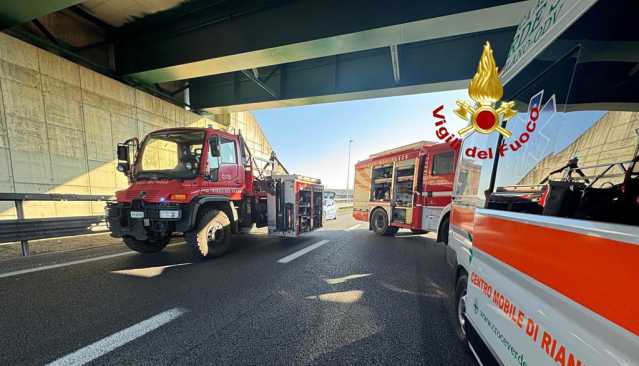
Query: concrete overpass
x,y
131,66
222,56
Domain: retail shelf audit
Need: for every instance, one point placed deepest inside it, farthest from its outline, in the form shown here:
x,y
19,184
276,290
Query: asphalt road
x,y
350,298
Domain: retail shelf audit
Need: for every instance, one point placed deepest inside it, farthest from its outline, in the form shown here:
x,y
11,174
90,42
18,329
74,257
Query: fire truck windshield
x,y
170,154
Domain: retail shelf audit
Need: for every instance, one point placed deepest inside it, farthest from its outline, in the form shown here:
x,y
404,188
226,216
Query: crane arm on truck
x,y
252,159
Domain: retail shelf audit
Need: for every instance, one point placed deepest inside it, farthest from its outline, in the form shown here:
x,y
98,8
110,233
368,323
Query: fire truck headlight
x,y
170,214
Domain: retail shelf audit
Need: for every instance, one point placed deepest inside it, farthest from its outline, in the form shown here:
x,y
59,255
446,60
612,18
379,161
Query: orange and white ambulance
x,y
544,236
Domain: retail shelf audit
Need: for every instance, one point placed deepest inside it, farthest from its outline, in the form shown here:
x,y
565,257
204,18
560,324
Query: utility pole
x,y
348,167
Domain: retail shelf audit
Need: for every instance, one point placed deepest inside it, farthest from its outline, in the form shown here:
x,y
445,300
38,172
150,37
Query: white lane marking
x,y
353,227
66,264
301,252
148,272
343,297
338,280
108,344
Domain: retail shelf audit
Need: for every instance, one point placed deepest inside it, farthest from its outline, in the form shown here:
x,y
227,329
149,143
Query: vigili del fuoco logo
x,y
483,115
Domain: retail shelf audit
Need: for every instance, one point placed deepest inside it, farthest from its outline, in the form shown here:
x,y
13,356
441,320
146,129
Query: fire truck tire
x,y
460,307
212,235
146,246
379,223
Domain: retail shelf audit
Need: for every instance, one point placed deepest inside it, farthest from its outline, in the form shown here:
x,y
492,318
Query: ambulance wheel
x,y
460,308
146,246
379,223
442,235
212,235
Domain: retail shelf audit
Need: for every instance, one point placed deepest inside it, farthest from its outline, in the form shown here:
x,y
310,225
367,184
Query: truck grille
x,y
151,196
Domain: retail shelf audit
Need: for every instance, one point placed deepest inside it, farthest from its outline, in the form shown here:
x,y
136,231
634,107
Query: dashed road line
x,y
301,252
110,343
353,227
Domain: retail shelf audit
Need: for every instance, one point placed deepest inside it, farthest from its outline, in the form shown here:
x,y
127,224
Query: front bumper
x,y
146,219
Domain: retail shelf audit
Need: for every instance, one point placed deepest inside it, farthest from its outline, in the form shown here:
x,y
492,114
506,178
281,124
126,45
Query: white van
x,y
544,238
329,207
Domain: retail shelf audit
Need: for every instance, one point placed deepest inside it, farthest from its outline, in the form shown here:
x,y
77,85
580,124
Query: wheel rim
x,y
461,310
379,221
215,235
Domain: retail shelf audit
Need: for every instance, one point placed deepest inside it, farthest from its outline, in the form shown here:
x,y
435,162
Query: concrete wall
x,y
60,123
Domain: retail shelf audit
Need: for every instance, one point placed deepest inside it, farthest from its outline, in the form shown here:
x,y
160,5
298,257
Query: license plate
x,y
137,214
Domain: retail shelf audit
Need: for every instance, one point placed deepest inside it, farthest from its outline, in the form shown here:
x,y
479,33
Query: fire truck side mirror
x,y
213,164
123,157
123,152
215,147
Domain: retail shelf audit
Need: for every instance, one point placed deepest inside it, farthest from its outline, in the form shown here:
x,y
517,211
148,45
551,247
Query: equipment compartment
x,y
296,205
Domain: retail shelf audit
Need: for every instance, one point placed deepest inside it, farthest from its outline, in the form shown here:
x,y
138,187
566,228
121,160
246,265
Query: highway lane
x,y
356,298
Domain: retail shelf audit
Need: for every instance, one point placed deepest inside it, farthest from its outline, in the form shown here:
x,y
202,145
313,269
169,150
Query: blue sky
x,y
313,140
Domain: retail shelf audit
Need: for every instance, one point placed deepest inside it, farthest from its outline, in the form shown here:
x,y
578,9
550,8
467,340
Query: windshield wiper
x,y
153,175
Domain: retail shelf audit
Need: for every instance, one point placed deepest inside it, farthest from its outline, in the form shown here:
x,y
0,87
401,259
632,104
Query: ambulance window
x,y
570,159
443,163
473,173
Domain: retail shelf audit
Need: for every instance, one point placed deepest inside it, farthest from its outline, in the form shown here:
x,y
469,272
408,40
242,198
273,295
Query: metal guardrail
x,y
22,230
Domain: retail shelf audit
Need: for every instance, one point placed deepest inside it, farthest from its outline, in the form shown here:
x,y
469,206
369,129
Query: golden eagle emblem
x,y
485,89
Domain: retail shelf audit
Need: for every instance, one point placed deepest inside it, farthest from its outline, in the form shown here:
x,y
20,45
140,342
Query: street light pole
x,y
348,167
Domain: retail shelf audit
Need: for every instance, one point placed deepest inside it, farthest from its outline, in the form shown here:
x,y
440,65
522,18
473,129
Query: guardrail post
x,y
24,244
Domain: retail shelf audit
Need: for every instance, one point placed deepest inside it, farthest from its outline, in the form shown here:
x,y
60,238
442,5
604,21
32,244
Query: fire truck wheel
x,y
460,307
146,246
212,235
379,223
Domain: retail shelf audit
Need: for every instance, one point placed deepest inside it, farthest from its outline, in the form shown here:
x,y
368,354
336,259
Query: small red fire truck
x,y
407,187
201,182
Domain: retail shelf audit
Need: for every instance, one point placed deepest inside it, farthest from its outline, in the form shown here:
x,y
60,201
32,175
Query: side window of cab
x,y
443,163
228,152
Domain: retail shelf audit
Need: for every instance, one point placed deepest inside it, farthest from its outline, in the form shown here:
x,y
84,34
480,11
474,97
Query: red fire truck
x,y
206,184
407,187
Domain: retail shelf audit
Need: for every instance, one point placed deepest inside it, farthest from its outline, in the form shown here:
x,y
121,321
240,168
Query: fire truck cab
x,y
407,187
206,184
